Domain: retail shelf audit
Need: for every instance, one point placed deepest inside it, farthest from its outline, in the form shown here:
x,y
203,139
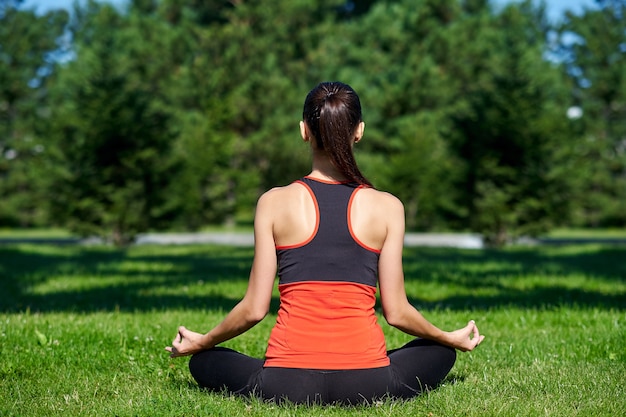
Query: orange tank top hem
x,y
327,325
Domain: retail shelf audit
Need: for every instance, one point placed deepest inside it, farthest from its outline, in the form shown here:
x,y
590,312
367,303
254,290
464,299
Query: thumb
x,y
472,329
182,332
476,334
471,325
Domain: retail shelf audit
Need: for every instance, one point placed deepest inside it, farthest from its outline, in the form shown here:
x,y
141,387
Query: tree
x,y
594,45
180,113
114,169
467,117
27,46
509,124
403,93
239,100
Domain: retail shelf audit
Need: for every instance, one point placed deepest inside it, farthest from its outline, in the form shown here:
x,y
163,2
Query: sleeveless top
x,y
327,288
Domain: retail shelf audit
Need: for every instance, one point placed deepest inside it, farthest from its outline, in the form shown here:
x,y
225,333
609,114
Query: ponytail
x,y
332,112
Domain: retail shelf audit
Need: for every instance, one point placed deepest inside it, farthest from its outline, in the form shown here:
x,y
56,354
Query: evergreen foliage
x,y
27,45
597,67
178,114
112,128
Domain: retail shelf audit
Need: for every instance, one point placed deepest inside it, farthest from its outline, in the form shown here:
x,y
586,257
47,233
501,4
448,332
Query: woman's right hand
x,y
185,343
466,338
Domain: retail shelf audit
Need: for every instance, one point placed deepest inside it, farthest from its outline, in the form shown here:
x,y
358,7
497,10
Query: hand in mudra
x,y
185,343
466,338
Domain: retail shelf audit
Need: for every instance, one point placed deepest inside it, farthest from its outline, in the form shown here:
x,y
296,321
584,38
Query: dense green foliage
x,y
26,65
597,66
83,330
178,114
112,128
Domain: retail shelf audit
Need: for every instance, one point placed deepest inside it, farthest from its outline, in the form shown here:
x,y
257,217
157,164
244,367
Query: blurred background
x,y
501,118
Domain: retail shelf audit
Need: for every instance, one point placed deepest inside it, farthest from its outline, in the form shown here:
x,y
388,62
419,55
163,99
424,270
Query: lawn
x,y
82,330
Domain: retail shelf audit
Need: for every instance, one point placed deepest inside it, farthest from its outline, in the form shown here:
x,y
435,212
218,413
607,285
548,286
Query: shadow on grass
x,y
82,279
521,277
453,378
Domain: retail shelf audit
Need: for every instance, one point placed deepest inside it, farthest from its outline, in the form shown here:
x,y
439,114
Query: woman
x,y
334,238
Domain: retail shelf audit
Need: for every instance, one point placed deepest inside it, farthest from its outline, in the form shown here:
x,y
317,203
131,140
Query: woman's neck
x,y
324,169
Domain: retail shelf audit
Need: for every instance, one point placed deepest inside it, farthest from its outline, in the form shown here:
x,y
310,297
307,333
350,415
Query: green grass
x,y
82,330
34,233
588,234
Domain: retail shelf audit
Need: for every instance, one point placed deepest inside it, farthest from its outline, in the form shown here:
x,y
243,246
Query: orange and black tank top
x,y
327,290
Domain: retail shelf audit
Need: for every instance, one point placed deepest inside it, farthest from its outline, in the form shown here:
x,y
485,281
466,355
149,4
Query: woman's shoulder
x,y
381,199
373,214
282,191
280,196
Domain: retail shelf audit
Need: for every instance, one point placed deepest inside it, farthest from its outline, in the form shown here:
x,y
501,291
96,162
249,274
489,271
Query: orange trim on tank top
x,y
350,222
325,181
317,221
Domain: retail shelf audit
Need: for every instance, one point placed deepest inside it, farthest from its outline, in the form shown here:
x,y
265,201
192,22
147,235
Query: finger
x,y
172,351
475,331
182,331
179,336
478,338
470,328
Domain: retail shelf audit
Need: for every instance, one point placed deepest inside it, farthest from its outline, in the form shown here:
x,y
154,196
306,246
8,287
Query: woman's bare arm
x,y
396,308
255,303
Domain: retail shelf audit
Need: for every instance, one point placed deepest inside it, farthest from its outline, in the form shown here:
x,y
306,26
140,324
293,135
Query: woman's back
x,y
294,215
328,278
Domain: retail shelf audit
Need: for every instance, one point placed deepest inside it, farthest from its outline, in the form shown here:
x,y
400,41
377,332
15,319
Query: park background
x,y
492,119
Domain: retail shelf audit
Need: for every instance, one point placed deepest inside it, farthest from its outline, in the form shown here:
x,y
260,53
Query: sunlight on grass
x,y
588,233
34,233
83,330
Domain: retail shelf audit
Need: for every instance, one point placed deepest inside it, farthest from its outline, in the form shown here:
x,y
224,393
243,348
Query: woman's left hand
x,y
466,338
186,343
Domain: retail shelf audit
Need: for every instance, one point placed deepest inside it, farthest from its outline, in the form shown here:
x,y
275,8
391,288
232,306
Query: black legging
x,y
419,365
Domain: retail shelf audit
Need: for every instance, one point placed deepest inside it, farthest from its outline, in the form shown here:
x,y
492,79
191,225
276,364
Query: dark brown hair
x,y
332,112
